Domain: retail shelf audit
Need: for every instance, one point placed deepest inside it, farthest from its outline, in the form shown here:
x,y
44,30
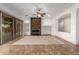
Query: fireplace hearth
x,y
36,32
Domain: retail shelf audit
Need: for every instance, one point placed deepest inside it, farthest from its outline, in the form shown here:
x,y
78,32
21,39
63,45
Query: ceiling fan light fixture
x,y
38,15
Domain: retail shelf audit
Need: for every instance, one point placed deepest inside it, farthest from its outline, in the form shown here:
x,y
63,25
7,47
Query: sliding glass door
x,y
0,26
7,28
10,28
21,28
17,28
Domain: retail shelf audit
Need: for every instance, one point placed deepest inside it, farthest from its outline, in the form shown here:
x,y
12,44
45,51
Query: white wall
x,y
54,28
77,28
77,25
26,29
46,30
26,25
71,37
46,26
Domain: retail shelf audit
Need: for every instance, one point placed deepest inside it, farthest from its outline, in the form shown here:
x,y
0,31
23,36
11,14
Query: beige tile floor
x,y
57,47
38,40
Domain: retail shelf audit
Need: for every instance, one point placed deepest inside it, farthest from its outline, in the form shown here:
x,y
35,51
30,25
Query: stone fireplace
x,y
35,26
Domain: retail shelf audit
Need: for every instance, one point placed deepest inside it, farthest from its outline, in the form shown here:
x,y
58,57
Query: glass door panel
x,y
17,28
0,27
7,29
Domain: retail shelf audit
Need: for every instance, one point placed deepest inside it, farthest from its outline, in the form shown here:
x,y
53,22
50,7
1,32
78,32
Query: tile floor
x,y
57,47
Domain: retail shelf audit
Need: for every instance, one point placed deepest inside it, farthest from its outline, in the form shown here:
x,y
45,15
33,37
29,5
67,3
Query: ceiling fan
x,y
39,12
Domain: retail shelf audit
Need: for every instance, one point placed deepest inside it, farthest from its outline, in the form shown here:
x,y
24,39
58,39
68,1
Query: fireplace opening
x,y
36,32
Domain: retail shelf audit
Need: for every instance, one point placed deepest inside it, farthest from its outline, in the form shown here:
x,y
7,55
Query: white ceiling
x,y
22,9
